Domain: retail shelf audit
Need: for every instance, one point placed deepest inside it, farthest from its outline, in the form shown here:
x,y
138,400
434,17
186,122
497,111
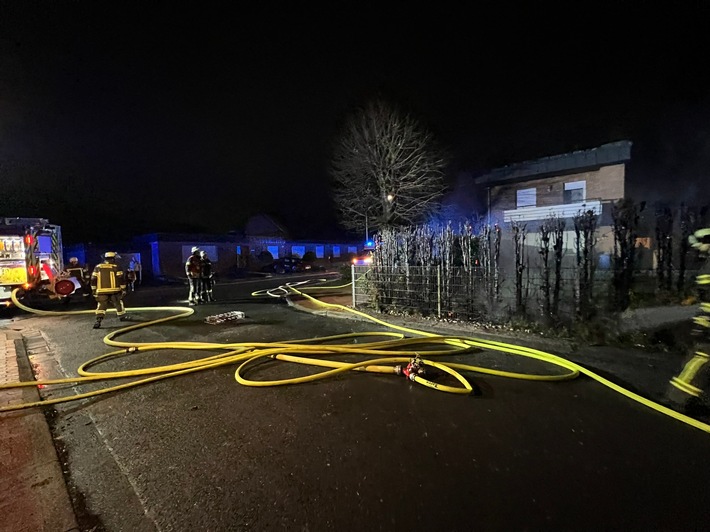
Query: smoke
x,y
671,159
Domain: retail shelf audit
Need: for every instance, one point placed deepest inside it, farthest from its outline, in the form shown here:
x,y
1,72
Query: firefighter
x,y
80,273
691,387
108,284
192,270
206,275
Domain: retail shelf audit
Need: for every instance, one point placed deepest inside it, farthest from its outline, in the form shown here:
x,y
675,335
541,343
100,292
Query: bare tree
x,y
585,230
490,239
551,235
558,248
686,222
387,169
664,246
626,216
519,231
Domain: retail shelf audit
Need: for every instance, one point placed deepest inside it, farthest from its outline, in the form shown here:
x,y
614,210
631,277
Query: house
x,y
264,234
562,186
163,255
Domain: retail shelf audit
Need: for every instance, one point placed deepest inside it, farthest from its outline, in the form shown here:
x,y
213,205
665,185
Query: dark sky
x,y
128,117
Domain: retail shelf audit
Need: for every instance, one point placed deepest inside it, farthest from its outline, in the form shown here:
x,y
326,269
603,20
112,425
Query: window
x,y
211,252
155,257
274,250
525,198
643,242
320,251
575,192
298,251
336,251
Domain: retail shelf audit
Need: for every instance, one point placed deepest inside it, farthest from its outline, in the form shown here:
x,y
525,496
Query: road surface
x,y
358,451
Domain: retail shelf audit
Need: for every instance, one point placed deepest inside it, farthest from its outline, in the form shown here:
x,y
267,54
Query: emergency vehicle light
x,y
29,240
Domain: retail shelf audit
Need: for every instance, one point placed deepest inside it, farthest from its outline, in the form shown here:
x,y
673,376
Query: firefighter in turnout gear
x,y
691,387
108,284
80,273
206,281
192,270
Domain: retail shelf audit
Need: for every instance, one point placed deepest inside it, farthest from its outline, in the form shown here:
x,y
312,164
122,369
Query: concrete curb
x,y
34,492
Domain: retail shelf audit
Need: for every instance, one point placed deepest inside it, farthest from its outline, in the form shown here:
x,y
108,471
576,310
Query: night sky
x,y
120,118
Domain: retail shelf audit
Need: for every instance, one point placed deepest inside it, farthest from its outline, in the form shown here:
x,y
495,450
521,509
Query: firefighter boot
x,y
97,325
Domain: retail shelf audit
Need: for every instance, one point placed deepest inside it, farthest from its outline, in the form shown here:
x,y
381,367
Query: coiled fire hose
x,y
396,354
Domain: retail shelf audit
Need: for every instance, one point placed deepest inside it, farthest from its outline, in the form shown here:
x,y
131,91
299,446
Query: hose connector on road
x,y
415,368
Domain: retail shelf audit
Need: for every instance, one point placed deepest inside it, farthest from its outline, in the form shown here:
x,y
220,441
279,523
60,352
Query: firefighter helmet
x,y
110,255
194,248
74,259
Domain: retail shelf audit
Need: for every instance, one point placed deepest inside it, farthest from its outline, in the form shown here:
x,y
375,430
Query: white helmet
x,y
194,248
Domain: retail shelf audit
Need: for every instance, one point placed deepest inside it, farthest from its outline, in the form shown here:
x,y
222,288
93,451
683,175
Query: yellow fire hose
x,y
389,355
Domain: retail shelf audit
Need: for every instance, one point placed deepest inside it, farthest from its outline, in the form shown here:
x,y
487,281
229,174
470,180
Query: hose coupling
x,y
414,369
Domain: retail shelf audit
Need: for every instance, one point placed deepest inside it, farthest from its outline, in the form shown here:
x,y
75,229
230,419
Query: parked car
x,y
363,259
288,265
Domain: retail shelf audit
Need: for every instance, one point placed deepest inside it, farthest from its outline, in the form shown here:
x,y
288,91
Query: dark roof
x,y
606,154
198,238
263,225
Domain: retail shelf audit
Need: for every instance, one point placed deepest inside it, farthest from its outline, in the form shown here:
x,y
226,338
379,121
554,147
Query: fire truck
x,y
31,259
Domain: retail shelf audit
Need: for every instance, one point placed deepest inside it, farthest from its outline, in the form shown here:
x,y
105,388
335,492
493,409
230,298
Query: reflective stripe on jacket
x,y
76,271
108,279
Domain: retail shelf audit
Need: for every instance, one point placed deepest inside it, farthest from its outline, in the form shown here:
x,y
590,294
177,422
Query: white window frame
x,y
530,193
576,185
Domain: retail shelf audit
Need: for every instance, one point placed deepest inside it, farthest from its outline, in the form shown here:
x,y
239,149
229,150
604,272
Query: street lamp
x,y
390,199
367,229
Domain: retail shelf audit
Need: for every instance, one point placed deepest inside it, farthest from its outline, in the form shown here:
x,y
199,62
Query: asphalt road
x,y
360,451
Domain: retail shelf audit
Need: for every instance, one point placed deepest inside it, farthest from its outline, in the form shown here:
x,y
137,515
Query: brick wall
x,y
606,183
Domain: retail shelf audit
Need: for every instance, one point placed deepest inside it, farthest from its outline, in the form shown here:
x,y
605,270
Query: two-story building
x,y
562,186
